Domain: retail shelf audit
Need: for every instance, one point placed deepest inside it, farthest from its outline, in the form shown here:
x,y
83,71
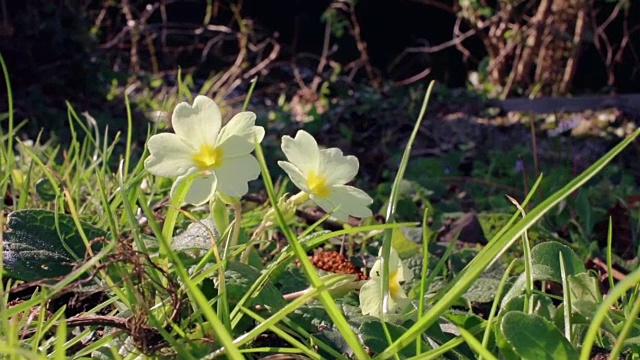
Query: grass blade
x,y
496,247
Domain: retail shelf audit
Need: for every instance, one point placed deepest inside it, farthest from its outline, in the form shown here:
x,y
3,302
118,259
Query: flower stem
x,y
237,217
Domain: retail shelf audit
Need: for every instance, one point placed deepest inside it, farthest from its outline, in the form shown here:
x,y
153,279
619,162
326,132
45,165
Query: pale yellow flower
x,y
221,155
371,291
322,174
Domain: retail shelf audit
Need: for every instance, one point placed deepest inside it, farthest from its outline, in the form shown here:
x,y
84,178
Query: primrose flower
x,y
322,175
371,291
221,155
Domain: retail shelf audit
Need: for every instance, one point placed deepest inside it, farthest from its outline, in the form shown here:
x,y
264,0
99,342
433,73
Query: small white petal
x,y
296,176
371,298
198,124
242,124
169,155
394,263
352,200
371,301
258,134
302,151
234,175
337,168
329,205
236,146
202,188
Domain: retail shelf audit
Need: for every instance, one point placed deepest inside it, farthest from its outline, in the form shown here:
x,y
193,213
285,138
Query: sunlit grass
x,y
163,302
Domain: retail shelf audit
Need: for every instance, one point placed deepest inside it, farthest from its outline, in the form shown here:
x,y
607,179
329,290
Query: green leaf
x,y
496,247
35,248
583,209
586,297
196,238
405,247
506,351
483,290
492,223
372,334
584,287
533,337
542,305
45,189
546,266
238,279
313,318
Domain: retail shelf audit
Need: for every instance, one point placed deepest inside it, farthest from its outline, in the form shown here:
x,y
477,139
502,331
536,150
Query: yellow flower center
x,y
395,289
208,157
317,184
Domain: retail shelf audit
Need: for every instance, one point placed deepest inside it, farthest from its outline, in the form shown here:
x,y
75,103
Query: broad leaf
x,y
546,266
586,297
535,338
197,238
406,240
542,305
35,247
238,279
372,334
483,290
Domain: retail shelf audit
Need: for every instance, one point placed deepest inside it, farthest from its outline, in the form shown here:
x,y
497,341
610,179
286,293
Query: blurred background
x,y
304,52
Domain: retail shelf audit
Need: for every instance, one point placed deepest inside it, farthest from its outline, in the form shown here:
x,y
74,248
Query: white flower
x,y
221,155
371,291
322,175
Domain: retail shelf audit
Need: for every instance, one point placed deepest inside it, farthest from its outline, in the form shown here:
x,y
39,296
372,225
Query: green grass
x,y
205,303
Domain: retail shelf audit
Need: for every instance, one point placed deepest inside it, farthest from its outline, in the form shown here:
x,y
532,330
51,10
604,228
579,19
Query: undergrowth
x,y
102,260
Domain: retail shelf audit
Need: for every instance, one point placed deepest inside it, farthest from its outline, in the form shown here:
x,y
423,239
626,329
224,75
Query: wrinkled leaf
x,y
585,297
373,336
483,290
546,266
584,287
535,338
314,319
240,277
34,248
197,237
542,305
45,189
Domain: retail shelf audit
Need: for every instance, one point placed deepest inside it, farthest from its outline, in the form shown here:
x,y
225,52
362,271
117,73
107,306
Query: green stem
x,y
237,215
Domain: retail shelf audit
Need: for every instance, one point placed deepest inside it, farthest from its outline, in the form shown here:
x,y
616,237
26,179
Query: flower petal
x,y
202,188
236,146
337,168
371,298
234,175
169,157
330,205
302,151
242,124
371,301
394,262
351,201
296,176
198,124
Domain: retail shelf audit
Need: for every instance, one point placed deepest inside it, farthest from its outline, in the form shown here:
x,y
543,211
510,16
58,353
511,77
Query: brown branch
x,y
572,61
265,62
412,79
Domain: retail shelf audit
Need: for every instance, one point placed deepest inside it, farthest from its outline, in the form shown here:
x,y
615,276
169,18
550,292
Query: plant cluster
x,y
110,265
